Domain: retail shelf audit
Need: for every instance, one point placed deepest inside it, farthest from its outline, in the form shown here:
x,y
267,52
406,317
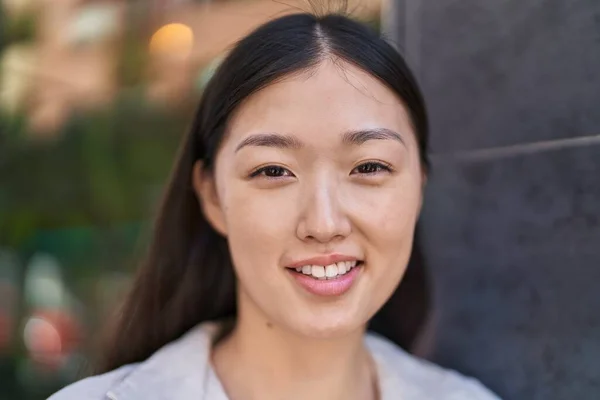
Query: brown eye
x,y
370,168
272,171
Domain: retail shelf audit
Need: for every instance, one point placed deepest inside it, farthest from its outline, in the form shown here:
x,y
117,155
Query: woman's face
x,y
319,172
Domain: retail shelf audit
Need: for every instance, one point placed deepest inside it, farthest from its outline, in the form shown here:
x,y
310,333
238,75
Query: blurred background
x,y
96,94
95,97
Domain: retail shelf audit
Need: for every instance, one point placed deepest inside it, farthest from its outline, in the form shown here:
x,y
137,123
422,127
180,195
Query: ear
x,y
206,192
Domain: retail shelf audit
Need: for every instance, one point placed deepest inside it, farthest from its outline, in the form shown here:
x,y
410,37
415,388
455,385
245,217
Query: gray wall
x,y
511,225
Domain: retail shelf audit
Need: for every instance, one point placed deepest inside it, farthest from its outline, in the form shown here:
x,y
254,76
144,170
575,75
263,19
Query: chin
x,y
325,327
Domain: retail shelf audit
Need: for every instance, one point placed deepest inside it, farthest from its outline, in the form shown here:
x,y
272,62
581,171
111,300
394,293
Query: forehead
x,y
332,98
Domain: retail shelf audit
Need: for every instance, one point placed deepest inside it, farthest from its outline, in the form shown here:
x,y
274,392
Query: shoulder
x,y
425,380
95,387
165,374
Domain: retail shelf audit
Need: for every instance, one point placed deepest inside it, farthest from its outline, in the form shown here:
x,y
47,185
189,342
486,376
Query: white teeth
x,y
331,270
318,271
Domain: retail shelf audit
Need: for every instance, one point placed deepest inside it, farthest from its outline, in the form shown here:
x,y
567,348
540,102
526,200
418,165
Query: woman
x,y
288,223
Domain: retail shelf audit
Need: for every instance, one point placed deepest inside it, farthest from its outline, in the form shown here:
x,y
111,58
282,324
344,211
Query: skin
x,y
323,194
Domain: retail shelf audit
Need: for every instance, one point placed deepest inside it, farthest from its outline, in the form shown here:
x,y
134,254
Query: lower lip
x,y
327,287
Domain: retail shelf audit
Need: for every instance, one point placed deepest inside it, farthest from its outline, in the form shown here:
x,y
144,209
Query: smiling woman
x,y
287,226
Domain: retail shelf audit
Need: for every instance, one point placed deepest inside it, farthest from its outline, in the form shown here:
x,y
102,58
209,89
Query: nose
x,y
322,218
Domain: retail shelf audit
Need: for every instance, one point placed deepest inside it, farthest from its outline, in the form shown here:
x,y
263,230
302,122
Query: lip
x,y
327,287
323,260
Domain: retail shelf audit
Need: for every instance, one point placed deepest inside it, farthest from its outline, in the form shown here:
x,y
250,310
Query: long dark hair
x,y
187,276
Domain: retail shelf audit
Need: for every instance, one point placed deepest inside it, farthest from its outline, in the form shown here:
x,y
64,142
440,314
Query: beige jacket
x,y
181,370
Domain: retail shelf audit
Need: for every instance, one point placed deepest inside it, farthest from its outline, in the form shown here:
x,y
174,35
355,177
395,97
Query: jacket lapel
x,y
178,370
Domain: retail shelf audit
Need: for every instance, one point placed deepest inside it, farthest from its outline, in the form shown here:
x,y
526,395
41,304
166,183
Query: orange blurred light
x,y
172,39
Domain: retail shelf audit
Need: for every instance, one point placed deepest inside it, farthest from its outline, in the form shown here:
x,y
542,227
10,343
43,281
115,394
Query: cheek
x,y
401,216
257,223
387,217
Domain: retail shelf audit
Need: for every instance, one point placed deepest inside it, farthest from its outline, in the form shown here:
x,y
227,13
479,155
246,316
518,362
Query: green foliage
x,y
3,32
22,28
133,51
105,170
134,56
83,197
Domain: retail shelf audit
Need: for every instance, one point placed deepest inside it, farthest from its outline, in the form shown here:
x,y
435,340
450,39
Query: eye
x,y
371,168
271,171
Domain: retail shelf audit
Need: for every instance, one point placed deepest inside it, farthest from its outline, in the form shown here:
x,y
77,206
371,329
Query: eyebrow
x,y
270,140
364,135
356,138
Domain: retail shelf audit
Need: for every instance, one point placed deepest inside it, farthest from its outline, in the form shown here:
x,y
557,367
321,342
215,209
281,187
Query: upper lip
x,y
323,260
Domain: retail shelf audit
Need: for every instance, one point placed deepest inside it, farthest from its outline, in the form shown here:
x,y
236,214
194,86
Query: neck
x,y
260,360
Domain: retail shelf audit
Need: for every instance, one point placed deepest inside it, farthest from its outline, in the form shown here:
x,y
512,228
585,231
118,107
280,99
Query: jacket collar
x,y
395,368
179,370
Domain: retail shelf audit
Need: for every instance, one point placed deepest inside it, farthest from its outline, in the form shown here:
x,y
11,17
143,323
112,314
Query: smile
x,y
333,279
331,271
